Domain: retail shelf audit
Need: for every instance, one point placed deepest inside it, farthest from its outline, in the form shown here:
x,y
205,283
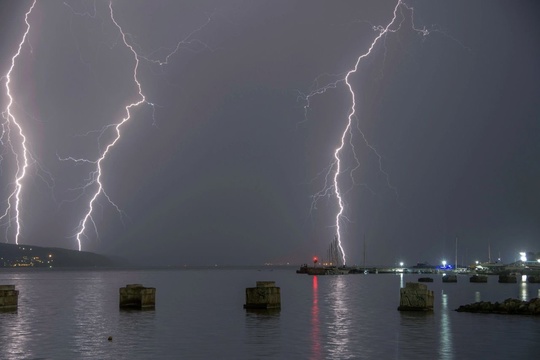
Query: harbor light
x,y
444,263
477,262
401,263
523,256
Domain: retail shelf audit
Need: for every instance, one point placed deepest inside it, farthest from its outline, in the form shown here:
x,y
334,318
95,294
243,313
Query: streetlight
x,y
523,256
444,263
401,264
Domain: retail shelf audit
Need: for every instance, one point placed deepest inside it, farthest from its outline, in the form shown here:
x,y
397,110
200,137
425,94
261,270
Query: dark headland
x,y
12,255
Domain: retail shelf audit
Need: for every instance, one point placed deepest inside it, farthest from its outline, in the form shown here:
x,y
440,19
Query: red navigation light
x,y
315,260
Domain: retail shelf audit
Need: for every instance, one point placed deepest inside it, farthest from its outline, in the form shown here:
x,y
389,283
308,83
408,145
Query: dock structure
x,y
416,297
9,297
136,296
265,296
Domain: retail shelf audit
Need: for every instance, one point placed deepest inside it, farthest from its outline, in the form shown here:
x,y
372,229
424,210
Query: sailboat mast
x,y
455,263
364,250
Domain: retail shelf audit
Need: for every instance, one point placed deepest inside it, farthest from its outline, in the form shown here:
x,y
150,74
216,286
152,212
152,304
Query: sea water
x,y
70,314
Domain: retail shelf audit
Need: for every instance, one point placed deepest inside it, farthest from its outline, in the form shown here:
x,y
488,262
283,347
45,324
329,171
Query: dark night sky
x,y
225,170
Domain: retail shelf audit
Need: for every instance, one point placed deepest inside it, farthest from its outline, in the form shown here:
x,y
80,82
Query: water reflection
x,y
445,334
477,297
340,325
12,336
263,332
523,291
87,311
416,327
316,351
15,328
135,329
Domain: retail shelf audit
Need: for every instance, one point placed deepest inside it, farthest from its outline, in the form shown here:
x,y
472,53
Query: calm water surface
x,y
70,314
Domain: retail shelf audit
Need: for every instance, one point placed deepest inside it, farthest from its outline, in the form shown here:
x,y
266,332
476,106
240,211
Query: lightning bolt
x,y
22,155
334,170
95,177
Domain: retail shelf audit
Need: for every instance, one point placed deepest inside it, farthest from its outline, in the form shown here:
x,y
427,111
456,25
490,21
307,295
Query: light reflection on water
x,y
523,291
445,334
339,324
316,348
199,315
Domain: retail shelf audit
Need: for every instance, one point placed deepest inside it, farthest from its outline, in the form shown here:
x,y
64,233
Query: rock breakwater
x,y
508,306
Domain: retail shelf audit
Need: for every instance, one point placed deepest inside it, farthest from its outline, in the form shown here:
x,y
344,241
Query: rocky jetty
x,y
509,306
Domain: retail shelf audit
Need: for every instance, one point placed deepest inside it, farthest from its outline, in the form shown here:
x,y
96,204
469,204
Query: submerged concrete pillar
x,y
511,278
478,279
449,278
265,296
9,297
137,296
415,297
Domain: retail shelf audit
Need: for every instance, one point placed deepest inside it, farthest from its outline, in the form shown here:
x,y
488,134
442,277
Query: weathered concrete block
x,y
507,278
9,297
478,279
137,296
449,278
265,296
415,297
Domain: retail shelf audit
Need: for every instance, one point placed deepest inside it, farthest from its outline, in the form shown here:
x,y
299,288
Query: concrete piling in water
x,y
478,279
449,278
9,297
136,296
512,279
415,297
265,296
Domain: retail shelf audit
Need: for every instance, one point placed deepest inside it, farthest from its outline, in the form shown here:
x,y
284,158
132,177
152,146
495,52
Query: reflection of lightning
x,y
331,184
22,165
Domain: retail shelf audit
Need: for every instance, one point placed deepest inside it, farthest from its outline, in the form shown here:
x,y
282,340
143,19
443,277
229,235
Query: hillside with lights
x,y
30,256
